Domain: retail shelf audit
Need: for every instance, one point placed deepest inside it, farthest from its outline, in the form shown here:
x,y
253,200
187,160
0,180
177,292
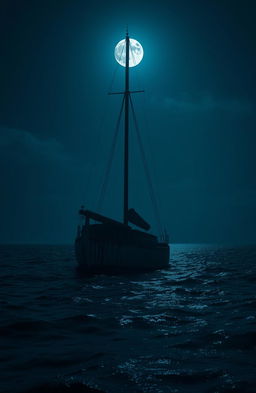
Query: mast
x,y
126,129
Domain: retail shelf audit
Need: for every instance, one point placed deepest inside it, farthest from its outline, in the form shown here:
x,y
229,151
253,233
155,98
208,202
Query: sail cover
x,y
137,220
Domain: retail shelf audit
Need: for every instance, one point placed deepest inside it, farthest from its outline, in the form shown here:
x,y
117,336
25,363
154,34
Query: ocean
x,y
191,328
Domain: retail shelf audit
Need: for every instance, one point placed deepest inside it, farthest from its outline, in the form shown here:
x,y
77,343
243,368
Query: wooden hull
x,y
108,249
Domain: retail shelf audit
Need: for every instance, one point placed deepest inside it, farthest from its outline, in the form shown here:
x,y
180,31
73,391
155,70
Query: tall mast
x,y
126,128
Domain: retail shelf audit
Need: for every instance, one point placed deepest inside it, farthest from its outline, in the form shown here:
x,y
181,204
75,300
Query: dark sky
x,y
197,116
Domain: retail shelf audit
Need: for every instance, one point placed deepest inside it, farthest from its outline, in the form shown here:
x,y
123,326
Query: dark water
x,y
191,328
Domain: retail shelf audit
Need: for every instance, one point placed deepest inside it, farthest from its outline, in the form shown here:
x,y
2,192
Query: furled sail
x,y
137,220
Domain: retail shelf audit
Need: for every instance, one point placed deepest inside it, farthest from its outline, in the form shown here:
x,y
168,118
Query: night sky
x,y
196,117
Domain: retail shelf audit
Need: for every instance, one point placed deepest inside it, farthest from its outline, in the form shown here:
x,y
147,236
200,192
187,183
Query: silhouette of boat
x,y
104,245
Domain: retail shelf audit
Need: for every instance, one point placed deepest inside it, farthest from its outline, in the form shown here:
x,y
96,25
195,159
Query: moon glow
x,y
135,52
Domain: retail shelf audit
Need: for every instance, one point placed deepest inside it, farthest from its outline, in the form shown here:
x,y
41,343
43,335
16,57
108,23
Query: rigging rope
x,y
98,137
113,77
115,72
149,142
108,168
99,133
109,164
147,172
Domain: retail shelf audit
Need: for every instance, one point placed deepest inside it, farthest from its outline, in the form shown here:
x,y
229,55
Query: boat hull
x,y
104,249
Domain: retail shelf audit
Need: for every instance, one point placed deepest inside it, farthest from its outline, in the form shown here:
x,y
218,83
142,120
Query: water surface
x,y
187,329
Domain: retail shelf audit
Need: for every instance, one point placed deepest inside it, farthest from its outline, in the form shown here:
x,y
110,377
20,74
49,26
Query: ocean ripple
x,y
187,329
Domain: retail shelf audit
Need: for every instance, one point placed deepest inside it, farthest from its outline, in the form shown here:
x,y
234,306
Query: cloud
x,y
207,103
40,188
41,168
25,146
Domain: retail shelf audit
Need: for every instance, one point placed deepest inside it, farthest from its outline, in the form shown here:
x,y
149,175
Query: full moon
x,y
135,52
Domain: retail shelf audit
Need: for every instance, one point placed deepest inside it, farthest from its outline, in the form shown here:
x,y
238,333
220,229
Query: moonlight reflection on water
x,y
177,330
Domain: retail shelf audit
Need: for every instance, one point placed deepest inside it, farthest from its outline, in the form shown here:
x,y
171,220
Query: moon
x,y
135,52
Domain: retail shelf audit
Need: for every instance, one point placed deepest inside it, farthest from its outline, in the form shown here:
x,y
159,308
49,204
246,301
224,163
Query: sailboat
x,y
105,245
